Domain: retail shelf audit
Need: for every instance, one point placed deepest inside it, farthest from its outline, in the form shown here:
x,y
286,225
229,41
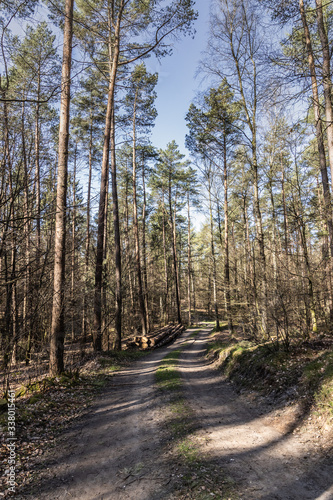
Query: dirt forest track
x,y
119,449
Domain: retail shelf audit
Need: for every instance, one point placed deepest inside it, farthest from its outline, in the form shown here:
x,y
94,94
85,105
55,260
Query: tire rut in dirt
x,y
113,451
264,463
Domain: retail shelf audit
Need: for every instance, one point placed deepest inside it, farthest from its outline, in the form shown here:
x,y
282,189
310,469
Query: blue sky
x,y
177,84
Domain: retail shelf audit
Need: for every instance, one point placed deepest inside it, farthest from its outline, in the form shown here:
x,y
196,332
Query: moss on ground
x,y
167,376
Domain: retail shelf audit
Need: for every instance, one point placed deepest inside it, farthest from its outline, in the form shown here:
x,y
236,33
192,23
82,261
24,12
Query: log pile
x,y
157,338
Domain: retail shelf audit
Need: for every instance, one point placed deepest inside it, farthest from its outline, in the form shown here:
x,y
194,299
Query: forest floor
x,y
172,425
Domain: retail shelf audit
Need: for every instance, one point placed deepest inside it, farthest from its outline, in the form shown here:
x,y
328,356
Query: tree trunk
x,y
117,247
310,303
58,326
327,84
144,250
194,296
108,135
189,302
217,321
27,306
226,240
73,247
97,337
166,279
309,278
87,247
136,232
37,174
285,218
127,243
174,252
250,113
318,124
104,306
328,125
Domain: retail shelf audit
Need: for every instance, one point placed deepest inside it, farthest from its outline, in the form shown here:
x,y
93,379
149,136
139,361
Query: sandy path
x,y
114,451
265,463
118,450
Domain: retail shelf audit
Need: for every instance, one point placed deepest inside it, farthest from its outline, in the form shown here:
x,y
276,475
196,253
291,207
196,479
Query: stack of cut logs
x,y
157,338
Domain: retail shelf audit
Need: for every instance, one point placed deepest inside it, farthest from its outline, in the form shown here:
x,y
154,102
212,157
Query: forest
x,y
99,240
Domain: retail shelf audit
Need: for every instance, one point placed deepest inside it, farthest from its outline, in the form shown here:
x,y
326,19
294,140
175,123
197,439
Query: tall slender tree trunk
x,y
212,246
127,243
73,247
285,217
58,323
108,132
136,230
226,239
87,246
318,123
260,236
27,306
312,306
218,212
14,316
166,278
194,295
327,275
250,114
97,336
37,174
310,301
144,249
247,254
104,306
172,214
7,167
275,236
189,264
177,262
327,83
117,247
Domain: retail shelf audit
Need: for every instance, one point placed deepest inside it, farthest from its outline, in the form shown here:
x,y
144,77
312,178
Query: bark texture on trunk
x,y
327,84
136,232
117,247
318,124
226,240
172,214
58,326
87,246
212,246
114,45
189,264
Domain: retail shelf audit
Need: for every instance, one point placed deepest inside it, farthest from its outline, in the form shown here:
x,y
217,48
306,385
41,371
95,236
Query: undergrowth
x,y
301,373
